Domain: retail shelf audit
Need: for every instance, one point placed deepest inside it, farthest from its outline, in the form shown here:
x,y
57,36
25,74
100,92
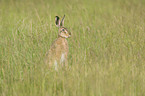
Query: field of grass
x,y
106,50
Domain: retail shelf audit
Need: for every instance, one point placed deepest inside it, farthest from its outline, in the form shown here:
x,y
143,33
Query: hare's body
x,y
57,54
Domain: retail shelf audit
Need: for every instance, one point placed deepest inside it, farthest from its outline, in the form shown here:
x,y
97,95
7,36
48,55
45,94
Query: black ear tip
x,y
56,18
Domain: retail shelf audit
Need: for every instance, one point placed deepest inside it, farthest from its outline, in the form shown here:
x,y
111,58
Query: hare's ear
x,y
62,21
57,21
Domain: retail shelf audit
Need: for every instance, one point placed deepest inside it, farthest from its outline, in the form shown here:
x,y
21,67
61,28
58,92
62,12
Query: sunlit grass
x,y
106,50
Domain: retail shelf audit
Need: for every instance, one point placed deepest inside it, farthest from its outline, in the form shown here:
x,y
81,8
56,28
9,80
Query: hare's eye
x,y
62,29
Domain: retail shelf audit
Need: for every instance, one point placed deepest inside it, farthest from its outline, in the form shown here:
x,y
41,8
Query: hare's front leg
x,y
66,61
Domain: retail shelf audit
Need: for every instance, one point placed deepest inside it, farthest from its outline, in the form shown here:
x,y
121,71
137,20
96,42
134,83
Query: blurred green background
x,y
106,50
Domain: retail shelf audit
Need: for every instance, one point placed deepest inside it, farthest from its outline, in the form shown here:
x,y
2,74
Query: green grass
x,y
106,50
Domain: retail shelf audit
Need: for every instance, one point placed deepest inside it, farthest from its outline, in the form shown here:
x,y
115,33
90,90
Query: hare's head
x,y
63,32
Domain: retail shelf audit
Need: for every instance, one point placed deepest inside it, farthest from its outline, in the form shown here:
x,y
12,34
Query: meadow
x,y
106,49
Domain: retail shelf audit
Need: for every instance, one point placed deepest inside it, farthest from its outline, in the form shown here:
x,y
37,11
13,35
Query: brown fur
x,y
58,52
59,47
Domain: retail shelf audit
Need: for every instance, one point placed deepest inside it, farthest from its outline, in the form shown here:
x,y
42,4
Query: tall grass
x,y
106,50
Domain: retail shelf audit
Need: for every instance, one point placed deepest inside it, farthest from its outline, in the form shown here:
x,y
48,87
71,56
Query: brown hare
x,y
57,54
